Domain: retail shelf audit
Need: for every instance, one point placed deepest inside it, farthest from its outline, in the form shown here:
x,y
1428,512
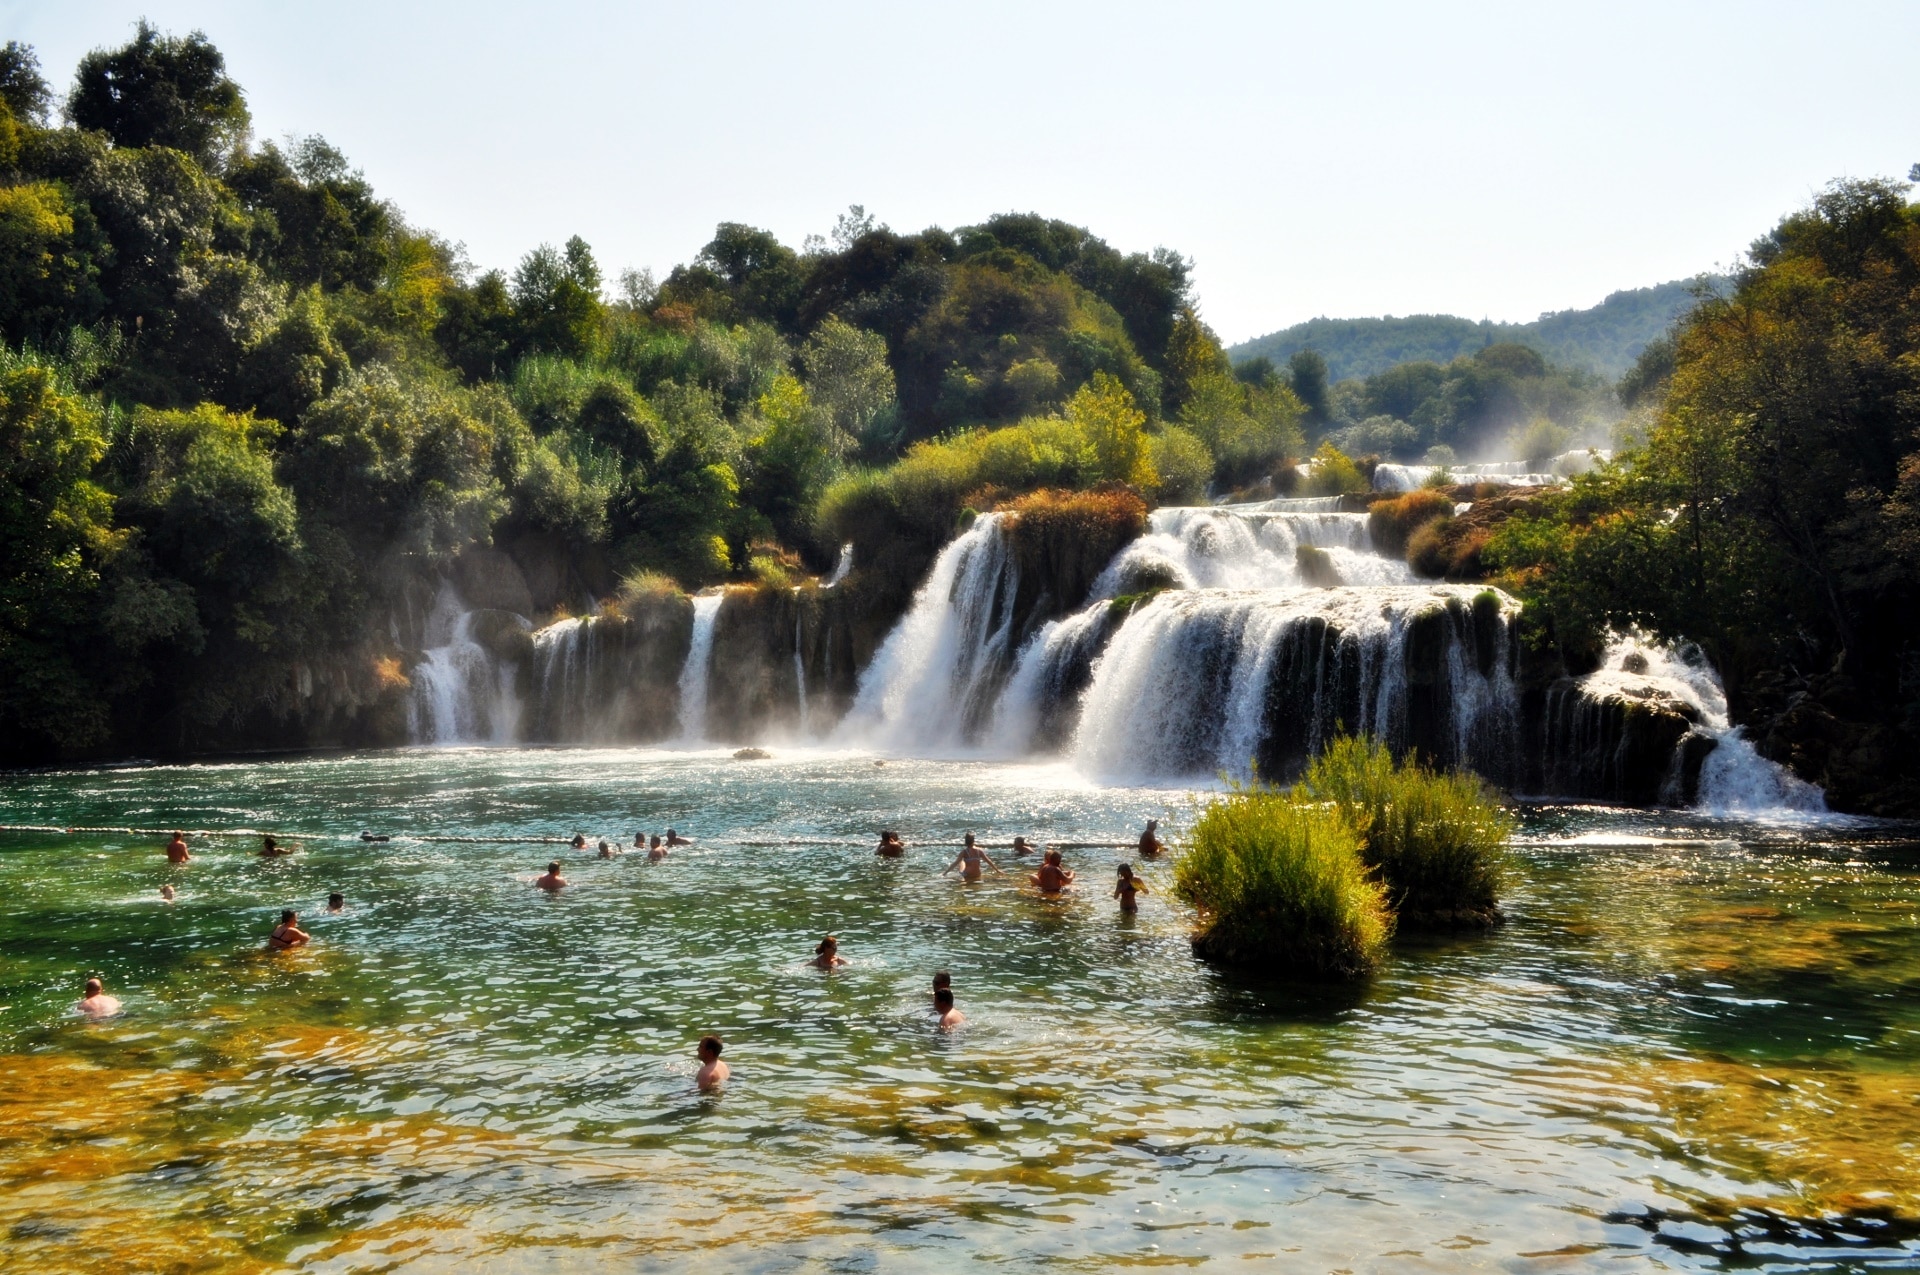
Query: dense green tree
x,y
1307,376
162,90
50,250
324,225
849,378
556,300
22,87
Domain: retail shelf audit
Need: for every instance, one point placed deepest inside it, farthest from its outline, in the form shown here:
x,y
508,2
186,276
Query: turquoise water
x,y
1696,1045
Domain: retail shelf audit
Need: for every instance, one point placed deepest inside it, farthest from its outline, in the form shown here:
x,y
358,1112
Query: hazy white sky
x,y
1342,159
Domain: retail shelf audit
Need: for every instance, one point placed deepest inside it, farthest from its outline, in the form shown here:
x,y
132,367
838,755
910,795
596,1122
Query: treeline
x,y
1771,510
243,398
1603,339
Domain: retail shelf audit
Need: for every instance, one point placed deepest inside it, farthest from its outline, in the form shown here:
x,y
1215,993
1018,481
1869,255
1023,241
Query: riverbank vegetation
x,y
247,404
1314,880
1770,508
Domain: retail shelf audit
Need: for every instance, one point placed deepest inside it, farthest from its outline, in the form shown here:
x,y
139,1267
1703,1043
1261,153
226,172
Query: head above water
x,y
553,869
827,944
93,987
943,998
268,843
941,979
288,916
336,900
1126,871
579,841
710,1047
969,838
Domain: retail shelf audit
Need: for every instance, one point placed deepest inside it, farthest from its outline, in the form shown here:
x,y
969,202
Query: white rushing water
x,y
696,672
941,659
1514,473
460,694
1734,778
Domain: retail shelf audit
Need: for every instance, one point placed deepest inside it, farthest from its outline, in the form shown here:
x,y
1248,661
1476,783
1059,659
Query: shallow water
x,y
1696,1045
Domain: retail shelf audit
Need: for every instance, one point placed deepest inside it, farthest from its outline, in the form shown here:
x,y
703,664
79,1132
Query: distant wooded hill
x,y
1604,339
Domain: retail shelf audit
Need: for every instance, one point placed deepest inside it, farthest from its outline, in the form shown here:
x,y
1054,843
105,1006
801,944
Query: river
x,y
1694,1045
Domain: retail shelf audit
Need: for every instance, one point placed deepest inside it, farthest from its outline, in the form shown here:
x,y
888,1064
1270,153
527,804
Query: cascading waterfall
x,y
1513,473
1734,777
842,567
694,674
1247,547
937,673
461,694
1244,681
800,678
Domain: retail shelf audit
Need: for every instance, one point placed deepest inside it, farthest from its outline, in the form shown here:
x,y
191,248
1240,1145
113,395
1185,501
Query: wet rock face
x,y
1827,731
612,678
1616,747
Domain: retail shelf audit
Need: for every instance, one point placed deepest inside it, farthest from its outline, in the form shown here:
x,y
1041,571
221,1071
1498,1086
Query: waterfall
x,y
1246,547
1244,681
800,677
1734,777
1514,473
461,694
694,674
842,567
939,668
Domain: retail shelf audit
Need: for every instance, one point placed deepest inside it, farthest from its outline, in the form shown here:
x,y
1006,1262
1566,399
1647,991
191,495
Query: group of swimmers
x,y
1052,878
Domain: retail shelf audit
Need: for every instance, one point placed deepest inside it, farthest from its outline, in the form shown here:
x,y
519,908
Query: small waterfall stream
x,y
697,671
460,694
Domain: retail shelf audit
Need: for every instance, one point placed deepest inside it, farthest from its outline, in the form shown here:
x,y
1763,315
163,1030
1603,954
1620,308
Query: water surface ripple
x,y
1695,1046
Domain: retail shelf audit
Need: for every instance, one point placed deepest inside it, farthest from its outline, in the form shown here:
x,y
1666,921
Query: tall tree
x,y
162,90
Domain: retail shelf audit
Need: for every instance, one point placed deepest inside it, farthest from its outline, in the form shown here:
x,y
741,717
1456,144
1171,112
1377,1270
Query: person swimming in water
x,y
675,839
1150,843
1126,887
713,1073
1022,846
336,902
553,880
941,979
166,893
969,860
271,849
606,849
950,1017
177,849
579,841
827,955
1052,877
639,841
890,847
288,933
96,1003
658,852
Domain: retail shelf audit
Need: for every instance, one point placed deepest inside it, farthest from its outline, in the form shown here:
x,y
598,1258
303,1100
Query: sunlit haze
x,y
1489,161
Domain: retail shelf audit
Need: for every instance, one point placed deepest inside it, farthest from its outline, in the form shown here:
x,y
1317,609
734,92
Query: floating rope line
x,y
379,838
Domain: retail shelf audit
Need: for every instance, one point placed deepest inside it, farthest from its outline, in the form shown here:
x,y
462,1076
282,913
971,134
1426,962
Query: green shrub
x,y
1438,841
1333,474
1281,887
1184,465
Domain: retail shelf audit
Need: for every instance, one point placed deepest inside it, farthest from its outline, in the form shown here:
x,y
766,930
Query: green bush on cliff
x,y
1438,841
1281,888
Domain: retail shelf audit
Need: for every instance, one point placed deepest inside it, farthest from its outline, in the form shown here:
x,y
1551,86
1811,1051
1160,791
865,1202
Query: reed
x,y
1281,888
1437,841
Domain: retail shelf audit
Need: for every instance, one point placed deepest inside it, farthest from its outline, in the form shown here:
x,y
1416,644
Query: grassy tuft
x,y
1392,523
1438,841
1281,888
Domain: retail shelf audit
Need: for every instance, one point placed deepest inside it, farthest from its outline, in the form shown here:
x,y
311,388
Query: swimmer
x,y
579,841
1022,846
1052,878
941,979
177,849
827,955
97,1004
1150,844
639,841
606,849
288,933
890,847
1126,887
271,849
675,839
713,1073
950,1017
166,893
553,880
336,902
969,860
